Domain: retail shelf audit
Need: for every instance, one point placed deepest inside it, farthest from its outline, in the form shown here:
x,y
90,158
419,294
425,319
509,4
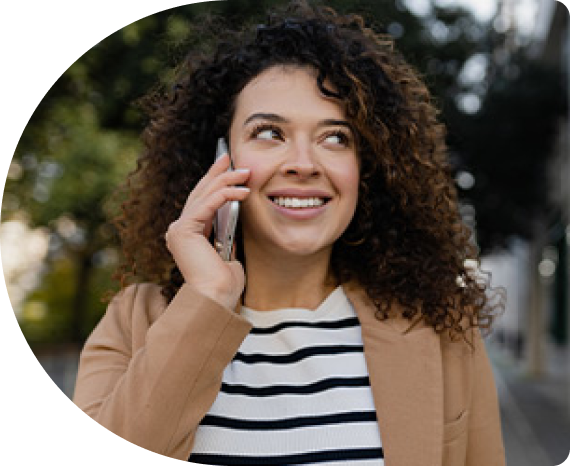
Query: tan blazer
x,y
150,372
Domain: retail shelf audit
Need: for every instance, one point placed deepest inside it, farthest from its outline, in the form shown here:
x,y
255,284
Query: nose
x,y
301,162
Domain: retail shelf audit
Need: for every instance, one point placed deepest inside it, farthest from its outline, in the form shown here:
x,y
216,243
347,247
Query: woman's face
x,y
302,156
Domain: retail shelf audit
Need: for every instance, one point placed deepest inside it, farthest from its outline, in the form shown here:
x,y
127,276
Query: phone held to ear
x,y
225,220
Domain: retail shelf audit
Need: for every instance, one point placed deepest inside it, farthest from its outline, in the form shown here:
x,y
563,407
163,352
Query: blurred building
x,y
550,266
534,331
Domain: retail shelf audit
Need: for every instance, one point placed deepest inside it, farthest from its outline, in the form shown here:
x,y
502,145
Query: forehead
x,y
288,89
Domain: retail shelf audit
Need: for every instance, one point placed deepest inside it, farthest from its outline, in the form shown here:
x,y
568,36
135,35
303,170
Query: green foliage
x,y
48,313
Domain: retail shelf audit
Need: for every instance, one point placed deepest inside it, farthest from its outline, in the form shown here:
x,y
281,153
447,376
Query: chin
x,y
304,248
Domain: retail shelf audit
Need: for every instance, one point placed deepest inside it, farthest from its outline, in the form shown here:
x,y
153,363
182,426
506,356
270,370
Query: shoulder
x,y
133,310
141,297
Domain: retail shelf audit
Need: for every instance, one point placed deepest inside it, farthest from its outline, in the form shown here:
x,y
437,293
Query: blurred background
x,y
499,71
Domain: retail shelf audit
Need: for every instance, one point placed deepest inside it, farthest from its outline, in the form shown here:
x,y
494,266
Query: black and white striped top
x,y
297,392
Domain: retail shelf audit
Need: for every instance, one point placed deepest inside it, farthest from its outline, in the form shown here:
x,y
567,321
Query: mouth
x,y
299,202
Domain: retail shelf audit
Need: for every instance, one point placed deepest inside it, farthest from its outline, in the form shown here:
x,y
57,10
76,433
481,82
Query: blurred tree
x,y
507,146
64,180
83,137
79,145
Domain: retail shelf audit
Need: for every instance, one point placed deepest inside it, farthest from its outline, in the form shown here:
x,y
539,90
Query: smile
x,y
299,203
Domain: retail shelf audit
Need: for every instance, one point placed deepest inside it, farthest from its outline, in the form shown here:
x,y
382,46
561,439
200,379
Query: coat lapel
x,y
407,384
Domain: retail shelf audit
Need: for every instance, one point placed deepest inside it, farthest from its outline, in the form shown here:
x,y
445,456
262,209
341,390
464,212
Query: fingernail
x,y
242,170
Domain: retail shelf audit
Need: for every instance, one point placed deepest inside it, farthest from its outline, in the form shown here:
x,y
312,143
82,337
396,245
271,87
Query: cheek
x,y
261,171
347,180
257,171
353,180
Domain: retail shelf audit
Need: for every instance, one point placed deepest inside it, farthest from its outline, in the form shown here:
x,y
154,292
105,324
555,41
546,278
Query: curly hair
x,y
406,243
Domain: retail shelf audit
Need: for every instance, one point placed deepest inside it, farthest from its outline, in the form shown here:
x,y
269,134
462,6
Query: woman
x,y
346,329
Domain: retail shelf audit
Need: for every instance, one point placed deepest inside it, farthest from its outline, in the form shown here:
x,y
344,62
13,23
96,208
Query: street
x,y
535,416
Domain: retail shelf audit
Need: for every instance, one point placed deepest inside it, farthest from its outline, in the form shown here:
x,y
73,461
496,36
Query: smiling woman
x,y
345,329
304,184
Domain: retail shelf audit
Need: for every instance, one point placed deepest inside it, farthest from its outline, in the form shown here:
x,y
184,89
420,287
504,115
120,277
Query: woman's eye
x,y
266,133
338,138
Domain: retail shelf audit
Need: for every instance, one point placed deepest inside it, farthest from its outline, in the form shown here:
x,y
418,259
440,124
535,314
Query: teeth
x,y
298,203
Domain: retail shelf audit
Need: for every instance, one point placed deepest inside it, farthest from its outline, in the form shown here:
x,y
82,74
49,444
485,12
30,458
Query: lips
x,y
299,198
300,204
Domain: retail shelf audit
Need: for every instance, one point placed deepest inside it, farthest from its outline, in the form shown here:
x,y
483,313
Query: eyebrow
x,y
279,119
266,116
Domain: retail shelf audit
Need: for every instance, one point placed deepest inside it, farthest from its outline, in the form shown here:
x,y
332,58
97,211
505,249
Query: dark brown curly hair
x,y
406,243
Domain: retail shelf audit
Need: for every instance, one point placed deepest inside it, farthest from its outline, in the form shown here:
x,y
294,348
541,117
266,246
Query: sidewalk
x,y
535,416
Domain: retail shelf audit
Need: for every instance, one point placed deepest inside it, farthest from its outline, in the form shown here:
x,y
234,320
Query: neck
x,y
287,281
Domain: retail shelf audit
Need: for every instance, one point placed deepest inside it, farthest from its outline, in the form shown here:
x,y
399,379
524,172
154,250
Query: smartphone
x,y
225,220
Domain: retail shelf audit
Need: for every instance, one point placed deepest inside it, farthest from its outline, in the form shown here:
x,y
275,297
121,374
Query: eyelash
x,y
264,127
344,138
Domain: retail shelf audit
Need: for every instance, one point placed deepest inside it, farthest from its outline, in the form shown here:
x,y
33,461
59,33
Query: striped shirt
x,y
297,392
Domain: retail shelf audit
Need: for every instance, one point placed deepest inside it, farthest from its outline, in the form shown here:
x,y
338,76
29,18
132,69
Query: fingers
x,y
205,210
217,176
210,186
215,188
218,167
187,237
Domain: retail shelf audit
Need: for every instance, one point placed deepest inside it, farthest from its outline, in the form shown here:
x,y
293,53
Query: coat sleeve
x,y
485,440
155,393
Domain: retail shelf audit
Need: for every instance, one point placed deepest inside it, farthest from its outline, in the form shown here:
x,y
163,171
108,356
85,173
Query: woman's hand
x,y
187,237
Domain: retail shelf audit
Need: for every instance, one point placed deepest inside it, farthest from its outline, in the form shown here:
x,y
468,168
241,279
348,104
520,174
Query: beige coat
x,y
151,371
